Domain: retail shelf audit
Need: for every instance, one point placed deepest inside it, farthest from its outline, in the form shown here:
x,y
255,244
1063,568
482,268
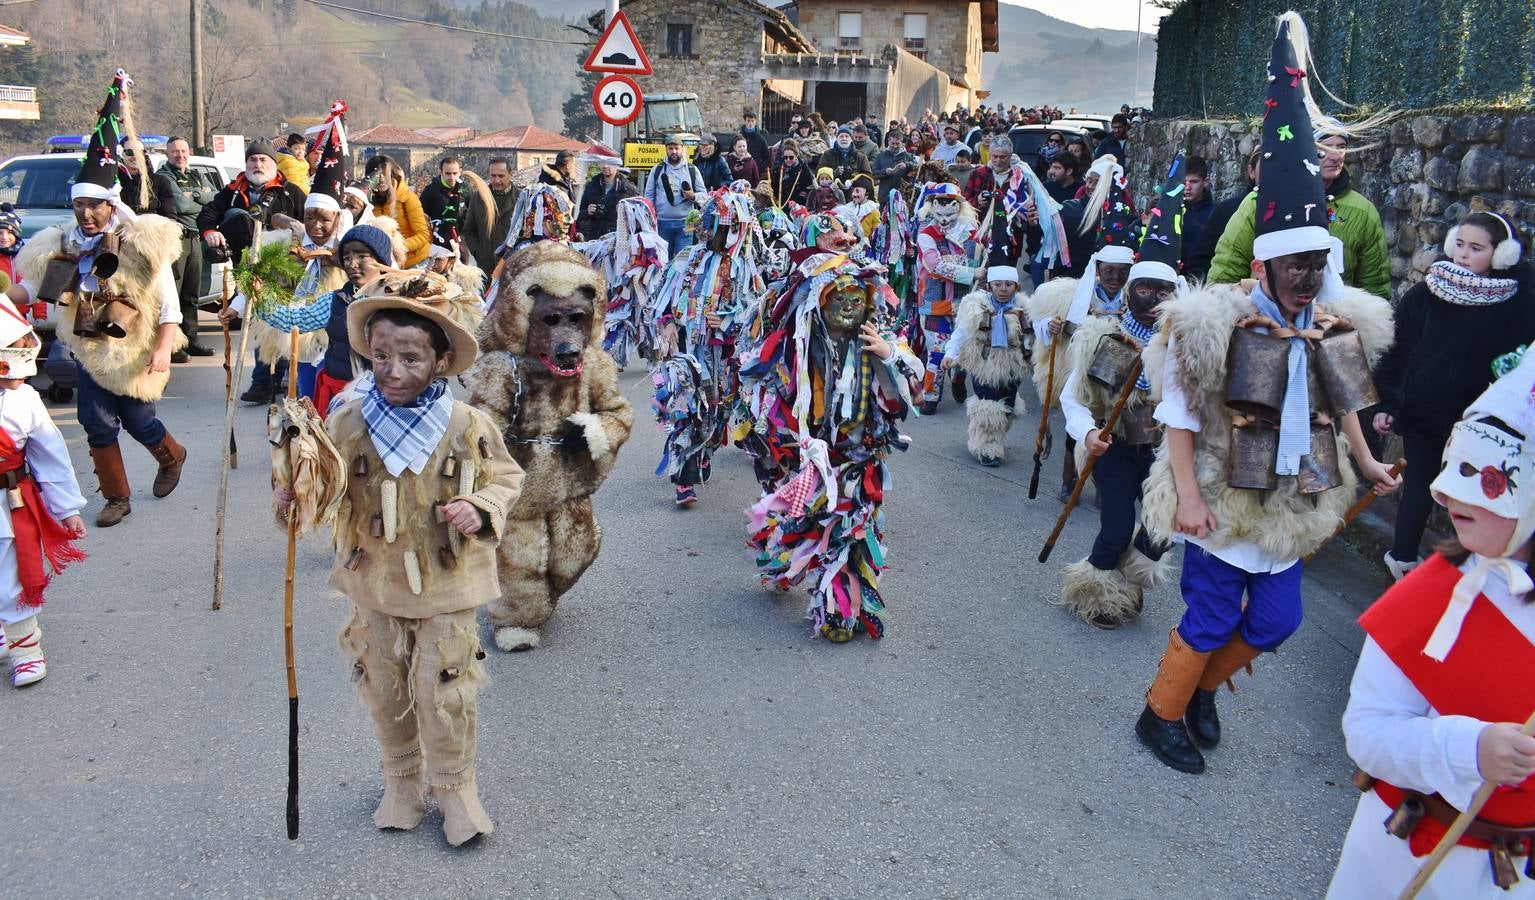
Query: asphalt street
x,y
681,733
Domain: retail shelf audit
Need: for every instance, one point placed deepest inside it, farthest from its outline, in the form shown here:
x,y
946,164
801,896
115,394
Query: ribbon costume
x,y
631,260
948,256
836,408
709,292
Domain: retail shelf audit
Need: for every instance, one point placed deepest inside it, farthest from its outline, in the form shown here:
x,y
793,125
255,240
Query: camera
x,y
219,254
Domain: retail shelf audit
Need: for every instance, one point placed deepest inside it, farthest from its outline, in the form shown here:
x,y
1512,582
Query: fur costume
x,y
1097,398
999,369
273,343
1107,595
1283,523
1049,300
121,365
551,536
842,416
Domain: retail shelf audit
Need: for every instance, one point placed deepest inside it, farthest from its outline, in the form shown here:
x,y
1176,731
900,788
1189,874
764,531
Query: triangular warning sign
x,y
618,50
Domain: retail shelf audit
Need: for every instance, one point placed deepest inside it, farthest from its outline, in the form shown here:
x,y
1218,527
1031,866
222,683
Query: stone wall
x,y
727,51
1424,174
953,31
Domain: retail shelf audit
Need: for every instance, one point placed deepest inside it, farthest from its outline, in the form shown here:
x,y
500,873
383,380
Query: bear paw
x,y
516,640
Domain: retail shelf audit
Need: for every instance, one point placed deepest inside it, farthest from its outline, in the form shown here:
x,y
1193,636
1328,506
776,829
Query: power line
x,y
474,31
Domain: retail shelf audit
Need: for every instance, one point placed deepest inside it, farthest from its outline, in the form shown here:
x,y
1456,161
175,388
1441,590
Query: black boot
x,y
1204,725
1169,742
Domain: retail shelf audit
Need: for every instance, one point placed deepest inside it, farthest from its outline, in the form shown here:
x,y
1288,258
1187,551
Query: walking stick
x,y
1044,424
228,295
1457,828
287,619
1087,469
230,458
1360,505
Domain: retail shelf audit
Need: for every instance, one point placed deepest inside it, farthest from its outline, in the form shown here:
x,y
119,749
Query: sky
x,y
1098,13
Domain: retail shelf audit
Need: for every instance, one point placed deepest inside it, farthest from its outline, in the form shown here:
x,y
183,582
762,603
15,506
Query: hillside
x,y
271,64
1046,60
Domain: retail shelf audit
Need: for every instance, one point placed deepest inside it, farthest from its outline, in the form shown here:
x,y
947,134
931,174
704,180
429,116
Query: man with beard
x,y
844,160
228,226
675,188
1251,495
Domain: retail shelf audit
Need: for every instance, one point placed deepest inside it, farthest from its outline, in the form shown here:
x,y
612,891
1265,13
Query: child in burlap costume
x,y
430,483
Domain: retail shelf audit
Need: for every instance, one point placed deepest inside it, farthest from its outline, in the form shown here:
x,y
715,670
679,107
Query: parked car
x,y
1027,139
1085,121
37,185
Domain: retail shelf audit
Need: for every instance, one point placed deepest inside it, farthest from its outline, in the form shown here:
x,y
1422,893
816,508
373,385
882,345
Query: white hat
x,y
317,200
1488,463
1002,273
16,362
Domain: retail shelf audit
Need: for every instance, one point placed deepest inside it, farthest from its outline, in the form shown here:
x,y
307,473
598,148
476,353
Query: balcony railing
x,y
17,94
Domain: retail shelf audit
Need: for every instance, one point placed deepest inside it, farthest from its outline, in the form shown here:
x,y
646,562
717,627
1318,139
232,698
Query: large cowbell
x,y
1344,371
1257,372
1113,361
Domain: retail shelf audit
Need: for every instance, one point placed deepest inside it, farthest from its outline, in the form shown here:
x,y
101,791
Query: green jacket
x,y
1366,261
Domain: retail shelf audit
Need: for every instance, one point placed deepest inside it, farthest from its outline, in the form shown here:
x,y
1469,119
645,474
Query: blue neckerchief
x,y
999,313
1108,306
1143,335
1295,418
405,436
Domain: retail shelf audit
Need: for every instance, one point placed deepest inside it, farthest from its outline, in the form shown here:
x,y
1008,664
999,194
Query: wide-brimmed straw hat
x,y
423,293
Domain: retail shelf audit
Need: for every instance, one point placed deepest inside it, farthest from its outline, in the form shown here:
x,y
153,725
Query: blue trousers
x,y
675,233
103,413
1213,590
1118,474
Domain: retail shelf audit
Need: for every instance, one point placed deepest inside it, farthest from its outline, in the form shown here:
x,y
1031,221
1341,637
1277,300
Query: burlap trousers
x,y
419,677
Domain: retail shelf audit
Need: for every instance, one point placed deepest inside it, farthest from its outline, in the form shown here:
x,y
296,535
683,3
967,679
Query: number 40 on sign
x,y
617,100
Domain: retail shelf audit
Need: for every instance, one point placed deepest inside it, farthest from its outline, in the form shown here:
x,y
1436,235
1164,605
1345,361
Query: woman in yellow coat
x,y
392,197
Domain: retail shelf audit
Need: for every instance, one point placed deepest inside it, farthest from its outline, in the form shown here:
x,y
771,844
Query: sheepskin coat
x,y
456,572
1097,398
992,366
1283,523
552,535
1051,299
148,246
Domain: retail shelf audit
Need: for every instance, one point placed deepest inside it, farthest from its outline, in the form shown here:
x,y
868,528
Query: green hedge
x,y
1372,53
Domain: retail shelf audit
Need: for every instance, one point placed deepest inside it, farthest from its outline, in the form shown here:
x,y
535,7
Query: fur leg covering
x,y
989,421
513,639
1104,597
1142,571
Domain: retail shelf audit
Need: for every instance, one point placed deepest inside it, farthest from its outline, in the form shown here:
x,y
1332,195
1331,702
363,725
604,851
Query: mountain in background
x,y
1046,60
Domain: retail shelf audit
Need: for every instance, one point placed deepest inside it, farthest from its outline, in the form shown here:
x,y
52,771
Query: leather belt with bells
x,y
11,481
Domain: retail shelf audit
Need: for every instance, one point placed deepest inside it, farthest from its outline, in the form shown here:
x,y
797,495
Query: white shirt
x,y
1079,419
1176,411
26,420
1394,734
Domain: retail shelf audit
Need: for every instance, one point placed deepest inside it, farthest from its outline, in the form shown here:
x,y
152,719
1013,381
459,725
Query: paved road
x,y
680,734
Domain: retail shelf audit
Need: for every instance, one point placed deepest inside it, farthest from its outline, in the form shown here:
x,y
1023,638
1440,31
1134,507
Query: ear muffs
x,y
1504,256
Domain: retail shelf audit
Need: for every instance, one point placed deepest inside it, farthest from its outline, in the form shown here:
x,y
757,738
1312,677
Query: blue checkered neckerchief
x,y
405,436
1143,335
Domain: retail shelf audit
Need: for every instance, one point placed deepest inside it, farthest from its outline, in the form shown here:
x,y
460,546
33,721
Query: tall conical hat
x,y
1162,244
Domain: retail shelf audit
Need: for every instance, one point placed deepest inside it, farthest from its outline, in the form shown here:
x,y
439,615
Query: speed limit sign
x,y
617,100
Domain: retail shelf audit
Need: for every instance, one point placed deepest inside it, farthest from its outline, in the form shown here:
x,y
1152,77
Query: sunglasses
x,y
1056,141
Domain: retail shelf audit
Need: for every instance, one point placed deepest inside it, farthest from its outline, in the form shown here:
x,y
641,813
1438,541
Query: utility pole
x,y
199,123
1140,6
610,135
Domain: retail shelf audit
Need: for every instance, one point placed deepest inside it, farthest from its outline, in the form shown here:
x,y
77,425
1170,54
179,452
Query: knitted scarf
x,y
1463,287
1143,335
1295,418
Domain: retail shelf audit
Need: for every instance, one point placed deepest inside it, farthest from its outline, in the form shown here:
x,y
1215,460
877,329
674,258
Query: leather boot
x,y
171,456
114,485
1204,724
1161,726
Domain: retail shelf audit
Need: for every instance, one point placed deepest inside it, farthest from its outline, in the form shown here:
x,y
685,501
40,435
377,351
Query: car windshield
x,y
39,183
1027,143
673,115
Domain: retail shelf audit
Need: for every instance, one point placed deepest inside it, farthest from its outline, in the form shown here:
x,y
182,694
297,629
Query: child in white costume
x,y
44,501
1440,686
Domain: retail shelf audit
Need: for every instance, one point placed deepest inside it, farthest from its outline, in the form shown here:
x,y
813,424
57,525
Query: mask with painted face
x,y
845,306
945,212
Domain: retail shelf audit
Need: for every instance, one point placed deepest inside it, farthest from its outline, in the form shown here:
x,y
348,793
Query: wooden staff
x,y
287,619
227,295
1044,422
1457,828
230,458
1087,469
1360,505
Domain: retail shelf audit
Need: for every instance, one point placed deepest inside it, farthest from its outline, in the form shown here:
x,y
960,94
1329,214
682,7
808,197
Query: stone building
x,y
1423,173
896,59
523,146
948,35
